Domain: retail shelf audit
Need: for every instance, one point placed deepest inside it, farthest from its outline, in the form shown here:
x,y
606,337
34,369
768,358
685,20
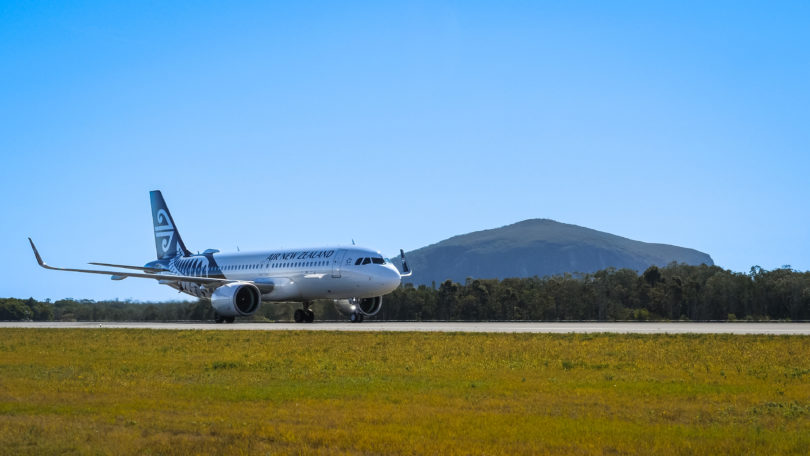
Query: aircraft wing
x,y
118,275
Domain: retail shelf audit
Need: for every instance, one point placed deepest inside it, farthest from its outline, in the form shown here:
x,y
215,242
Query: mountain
x,y
539,247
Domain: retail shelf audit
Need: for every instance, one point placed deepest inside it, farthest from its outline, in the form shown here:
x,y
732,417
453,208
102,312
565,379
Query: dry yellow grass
x,y
184,392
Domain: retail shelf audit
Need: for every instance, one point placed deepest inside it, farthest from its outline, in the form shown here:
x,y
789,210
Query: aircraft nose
x,y
392,277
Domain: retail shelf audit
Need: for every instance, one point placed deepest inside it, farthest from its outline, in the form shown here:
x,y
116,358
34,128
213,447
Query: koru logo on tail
x,y
164,229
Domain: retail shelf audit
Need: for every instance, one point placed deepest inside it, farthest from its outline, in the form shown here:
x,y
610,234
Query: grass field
x,y
231,392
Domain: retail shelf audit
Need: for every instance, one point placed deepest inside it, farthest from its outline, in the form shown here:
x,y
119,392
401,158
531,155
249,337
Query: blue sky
x,y
397,124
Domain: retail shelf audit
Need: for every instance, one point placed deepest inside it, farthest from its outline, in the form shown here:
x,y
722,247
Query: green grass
x,y
247,392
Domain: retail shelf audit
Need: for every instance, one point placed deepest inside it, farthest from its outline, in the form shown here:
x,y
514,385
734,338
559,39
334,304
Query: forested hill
x,y
539,247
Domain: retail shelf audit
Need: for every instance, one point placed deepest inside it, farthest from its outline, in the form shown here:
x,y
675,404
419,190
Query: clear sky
x,y
398,125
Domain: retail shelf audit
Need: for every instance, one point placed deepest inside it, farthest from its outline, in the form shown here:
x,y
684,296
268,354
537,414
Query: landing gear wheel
x,y
356,317
218,318
309,316
229,319
299,316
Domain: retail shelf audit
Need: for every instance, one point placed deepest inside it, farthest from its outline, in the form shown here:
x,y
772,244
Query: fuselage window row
x,y
300,264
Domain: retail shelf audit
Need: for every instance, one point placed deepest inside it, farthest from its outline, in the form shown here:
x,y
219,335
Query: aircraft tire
x,y
229,319
298,316
309,316
218,318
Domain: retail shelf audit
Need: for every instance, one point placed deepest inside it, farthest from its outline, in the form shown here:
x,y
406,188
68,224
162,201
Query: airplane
x,y
354,278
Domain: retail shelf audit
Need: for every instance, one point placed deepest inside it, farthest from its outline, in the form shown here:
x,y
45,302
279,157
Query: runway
x,y
774,328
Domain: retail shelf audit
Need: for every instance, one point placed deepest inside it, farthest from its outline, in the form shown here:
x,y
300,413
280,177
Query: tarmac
x,y
740,328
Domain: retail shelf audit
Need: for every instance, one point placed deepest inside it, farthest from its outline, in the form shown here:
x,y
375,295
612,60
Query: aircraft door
x,y
337,261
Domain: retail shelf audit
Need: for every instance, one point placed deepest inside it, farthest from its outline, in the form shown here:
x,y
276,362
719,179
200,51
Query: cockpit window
x,y
359,260
378,260
366,260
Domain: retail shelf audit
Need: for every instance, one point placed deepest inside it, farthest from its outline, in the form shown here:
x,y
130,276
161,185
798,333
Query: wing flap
x,y
123,266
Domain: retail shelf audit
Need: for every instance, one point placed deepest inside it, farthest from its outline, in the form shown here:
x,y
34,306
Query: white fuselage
x,y
295,274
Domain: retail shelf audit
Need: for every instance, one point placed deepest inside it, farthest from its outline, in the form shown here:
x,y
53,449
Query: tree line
x,y
674,292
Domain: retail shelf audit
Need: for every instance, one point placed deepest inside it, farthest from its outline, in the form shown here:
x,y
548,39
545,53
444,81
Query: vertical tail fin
x,y
167,239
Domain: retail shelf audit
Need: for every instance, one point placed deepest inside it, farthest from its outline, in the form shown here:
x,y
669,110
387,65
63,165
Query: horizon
x,y
397,126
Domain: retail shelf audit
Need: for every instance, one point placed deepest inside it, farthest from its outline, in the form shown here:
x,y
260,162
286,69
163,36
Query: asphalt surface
x,y
778,328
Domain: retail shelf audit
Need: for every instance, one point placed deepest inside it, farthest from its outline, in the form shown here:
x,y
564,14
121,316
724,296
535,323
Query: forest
x,y
674,292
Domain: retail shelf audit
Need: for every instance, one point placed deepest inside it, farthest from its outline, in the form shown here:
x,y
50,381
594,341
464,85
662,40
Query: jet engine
x,y
238,298
359,308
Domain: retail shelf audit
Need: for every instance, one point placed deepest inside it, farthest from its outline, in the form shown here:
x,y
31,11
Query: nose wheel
x,y
356,317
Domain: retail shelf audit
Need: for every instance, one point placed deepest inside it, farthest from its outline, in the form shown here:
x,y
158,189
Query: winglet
x,y
406,271
36,253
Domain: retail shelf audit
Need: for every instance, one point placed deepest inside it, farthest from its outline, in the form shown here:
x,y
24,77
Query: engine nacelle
x,y
355,307
238,298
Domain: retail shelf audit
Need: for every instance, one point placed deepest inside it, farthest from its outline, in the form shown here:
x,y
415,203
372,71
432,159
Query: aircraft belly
x,y
311,286
340,288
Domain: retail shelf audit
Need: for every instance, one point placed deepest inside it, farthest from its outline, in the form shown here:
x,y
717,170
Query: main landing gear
x,y
304,315
219,318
